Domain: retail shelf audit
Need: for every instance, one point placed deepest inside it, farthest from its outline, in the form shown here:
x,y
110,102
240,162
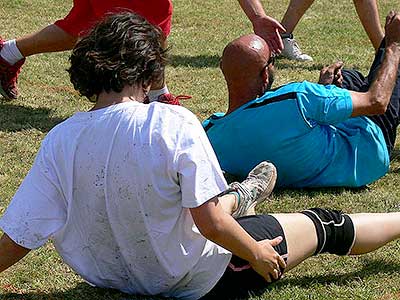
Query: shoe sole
x,y
5,95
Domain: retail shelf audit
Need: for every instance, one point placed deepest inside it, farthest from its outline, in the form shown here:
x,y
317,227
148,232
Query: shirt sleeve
x,y
325,104
38,209
200,176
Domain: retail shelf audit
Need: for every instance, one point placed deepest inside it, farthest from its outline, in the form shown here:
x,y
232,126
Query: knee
x,y
335,230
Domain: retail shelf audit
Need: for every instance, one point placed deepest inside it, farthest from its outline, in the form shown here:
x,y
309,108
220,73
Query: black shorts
x,y
239,278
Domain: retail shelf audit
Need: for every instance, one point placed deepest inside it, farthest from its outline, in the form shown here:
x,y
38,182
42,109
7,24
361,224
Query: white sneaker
x,y
292,50
255,188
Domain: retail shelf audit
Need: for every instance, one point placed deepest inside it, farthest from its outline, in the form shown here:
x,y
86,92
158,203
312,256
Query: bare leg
x,y
367,11
50,39
298,227
372,232
294,12
228,203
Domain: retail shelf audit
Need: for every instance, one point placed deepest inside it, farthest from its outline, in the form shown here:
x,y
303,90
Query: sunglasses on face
x,y
271,61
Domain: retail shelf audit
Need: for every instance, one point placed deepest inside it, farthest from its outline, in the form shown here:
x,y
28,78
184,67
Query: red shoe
x,y
9,76
171,99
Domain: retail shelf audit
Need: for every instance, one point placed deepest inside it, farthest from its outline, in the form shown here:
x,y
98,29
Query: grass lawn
x,y
329,31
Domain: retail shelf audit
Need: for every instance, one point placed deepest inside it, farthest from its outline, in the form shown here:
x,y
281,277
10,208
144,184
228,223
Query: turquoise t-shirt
x,y
307,131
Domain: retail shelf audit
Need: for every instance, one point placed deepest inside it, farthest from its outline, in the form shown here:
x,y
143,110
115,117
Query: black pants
x,y
239,279
388,122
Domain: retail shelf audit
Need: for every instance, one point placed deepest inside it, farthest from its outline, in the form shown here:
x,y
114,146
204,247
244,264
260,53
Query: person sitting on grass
x,y
339,132
127,191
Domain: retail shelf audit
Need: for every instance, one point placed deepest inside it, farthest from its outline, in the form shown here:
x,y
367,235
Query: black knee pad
x,y
335,230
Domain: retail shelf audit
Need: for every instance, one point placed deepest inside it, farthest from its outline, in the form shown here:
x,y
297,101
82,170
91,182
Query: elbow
x,y
212,230
378,106
381,109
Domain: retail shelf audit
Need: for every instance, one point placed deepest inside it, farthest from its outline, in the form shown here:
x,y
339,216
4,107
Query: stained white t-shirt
x,y
113,188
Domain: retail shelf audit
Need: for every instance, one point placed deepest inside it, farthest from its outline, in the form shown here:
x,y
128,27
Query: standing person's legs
x,y
367,11
293,14
59,36
49,39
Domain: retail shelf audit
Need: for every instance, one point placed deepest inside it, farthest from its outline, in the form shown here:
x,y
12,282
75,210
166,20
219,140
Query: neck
x,y
129,93
240,96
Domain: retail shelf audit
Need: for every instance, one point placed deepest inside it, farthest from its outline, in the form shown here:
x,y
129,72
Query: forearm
x,y
376,100
382,87
10,252
218,226
231,236
253,9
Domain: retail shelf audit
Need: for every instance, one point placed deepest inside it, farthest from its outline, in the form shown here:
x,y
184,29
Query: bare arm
x,y
266,27
10,252
376,100
221,228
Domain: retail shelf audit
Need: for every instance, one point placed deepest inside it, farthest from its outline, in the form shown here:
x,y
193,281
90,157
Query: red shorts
x,y
86,13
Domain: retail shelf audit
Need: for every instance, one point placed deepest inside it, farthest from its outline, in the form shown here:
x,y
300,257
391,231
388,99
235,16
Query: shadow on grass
x,y
395,155
371,267
316,192
284,64
84,291
198,61
15,118
80,291
212,61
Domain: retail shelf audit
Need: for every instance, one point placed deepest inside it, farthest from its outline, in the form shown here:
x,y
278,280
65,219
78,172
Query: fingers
x,y
281,262
390,17
276,274
277,25
276,241
279,41
272,44
334,68
275,42
337,65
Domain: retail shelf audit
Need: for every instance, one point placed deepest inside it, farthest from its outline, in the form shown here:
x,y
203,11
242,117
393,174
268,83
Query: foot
x,y
255,188
171,99
292,50
9,77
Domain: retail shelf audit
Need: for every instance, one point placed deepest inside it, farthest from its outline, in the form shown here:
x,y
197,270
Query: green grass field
x,y
329,31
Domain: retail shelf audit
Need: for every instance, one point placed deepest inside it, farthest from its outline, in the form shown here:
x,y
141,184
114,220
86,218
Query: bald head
x,y
244,58
242,64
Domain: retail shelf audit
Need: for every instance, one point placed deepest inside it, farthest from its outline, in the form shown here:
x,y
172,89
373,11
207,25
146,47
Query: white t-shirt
x,y
113,188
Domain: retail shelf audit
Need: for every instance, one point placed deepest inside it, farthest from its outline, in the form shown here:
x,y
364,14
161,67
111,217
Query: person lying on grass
x,y
339,132
134,199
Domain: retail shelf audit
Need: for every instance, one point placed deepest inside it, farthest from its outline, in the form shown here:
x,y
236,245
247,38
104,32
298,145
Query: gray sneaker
x,y
292,50
255,188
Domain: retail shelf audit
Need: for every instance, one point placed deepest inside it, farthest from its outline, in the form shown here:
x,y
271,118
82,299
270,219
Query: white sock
x,y
10,52
154,94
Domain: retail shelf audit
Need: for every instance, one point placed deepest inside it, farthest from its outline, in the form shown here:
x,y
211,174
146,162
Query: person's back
x,y
311,140
124,211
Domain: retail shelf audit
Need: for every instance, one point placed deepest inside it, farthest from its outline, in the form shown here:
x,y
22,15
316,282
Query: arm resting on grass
x,y
10,252
219,227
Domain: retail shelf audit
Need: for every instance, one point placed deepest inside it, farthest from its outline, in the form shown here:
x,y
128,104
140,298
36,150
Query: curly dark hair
x,y
123,49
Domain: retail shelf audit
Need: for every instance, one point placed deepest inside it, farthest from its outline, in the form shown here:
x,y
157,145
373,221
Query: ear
x,y
265,76
146,86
